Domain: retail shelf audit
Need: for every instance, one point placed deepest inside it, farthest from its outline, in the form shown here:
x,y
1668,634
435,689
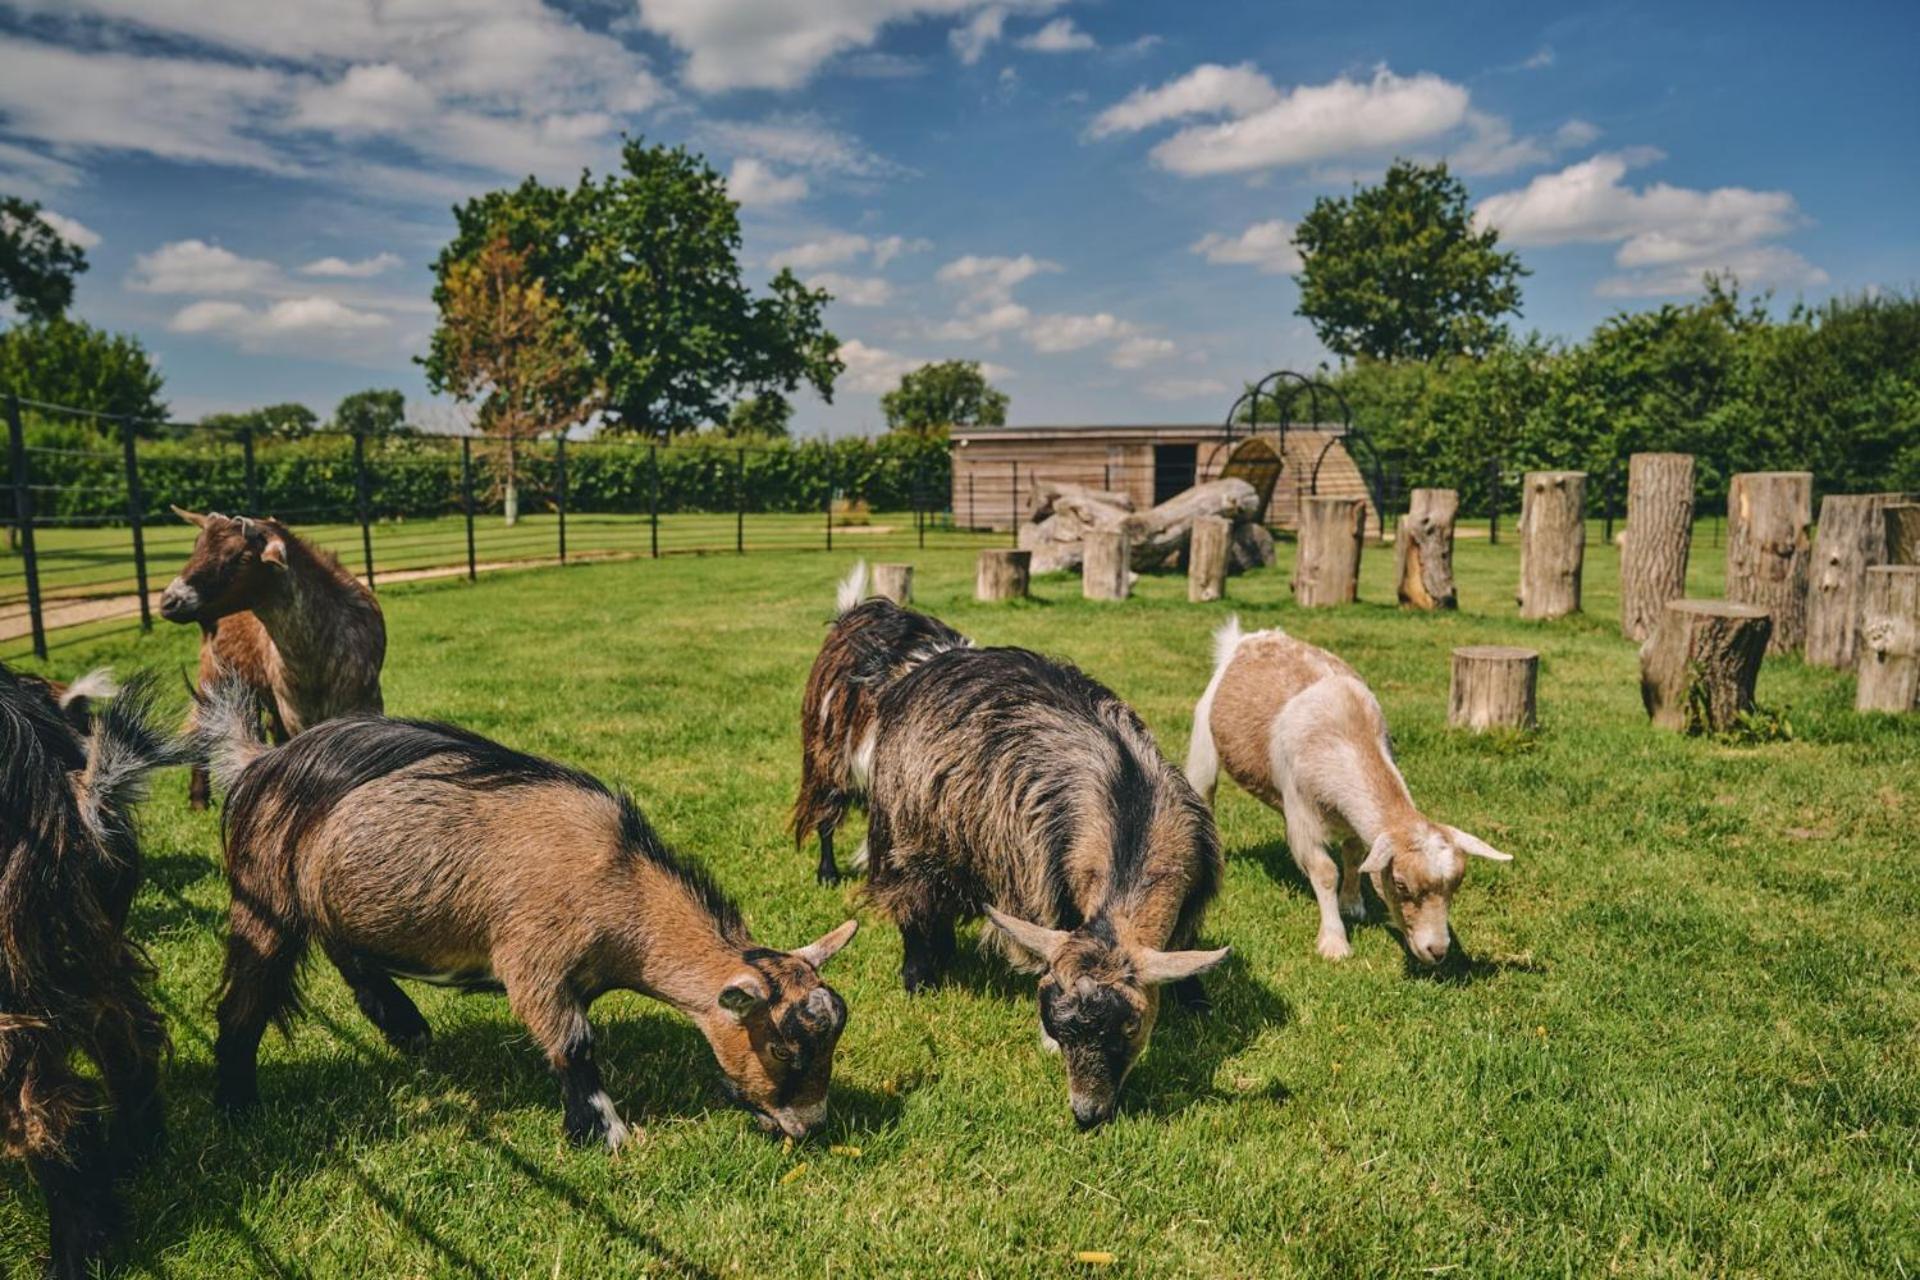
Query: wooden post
x,y
1901,521
1850,539
1326,569
1767,551
1207,549
1493,687
1653,564
1423,550
1553,536
1698,668
1890,639
1107,570
894,581
1002,574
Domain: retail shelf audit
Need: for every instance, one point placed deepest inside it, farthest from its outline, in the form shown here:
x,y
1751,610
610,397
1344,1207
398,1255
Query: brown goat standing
x,y
416,850
286,617
70,980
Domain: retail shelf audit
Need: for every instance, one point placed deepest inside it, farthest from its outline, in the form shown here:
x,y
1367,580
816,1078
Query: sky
x,y
1094,199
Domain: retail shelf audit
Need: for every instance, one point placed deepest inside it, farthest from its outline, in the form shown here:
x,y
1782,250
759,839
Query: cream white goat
x,y
1299,728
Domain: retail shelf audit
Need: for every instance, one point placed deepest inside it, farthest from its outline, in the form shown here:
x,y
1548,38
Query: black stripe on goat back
x,y
882,633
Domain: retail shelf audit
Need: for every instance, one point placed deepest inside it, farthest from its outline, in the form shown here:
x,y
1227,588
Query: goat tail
x,y
853,588
226,728
97,685
1225,640
123,748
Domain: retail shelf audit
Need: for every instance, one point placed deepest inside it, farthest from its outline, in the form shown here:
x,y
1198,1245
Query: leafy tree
x,y
66,362
374,412
952,393
37,263
644,268
1398,271
287,421
504,342
763,417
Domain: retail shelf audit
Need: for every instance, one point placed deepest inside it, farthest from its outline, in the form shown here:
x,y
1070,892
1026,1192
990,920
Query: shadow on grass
x,y
162,905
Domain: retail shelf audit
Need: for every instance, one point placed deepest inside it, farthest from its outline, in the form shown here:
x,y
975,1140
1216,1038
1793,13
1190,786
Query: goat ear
x,y
743,995
1379,857
1155,967
1477,847
1043,942
275,552
195,519
827,945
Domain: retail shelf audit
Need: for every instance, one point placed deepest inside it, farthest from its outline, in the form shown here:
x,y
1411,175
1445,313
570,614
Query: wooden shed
x,y
995,469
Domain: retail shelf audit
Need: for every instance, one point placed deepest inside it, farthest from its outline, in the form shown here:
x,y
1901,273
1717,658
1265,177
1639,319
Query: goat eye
x,y
1132,1028
782,1054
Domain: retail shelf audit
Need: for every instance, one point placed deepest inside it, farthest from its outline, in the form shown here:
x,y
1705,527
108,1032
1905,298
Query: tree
x,y
373,412
952,393
37,263
1398,271
644,268
68,363
764,417
288,421
504,342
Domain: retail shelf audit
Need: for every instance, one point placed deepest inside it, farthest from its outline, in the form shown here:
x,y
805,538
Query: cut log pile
x,y
1056,529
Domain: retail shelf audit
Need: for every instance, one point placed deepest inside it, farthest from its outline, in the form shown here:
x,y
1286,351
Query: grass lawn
x,y
1686,1044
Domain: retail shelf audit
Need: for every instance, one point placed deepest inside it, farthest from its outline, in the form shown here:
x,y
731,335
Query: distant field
x,y
1688,1041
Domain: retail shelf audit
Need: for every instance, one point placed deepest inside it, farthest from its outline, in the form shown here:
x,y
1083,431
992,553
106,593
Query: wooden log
x,y
1553,536
1901,521
1002,575
1767,549
1207,548
1107,572
1493,687
1326,570
894,581
1850,539
1889,673
1658,536
1423,550
1698,668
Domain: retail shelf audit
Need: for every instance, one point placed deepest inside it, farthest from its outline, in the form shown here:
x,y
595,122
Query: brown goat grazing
x,y
416,850
1299,728
286,617
70,981
1007,783
871,644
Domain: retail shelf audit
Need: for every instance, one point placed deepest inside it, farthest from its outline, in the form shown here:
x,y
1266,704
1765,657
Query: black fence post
x,y
136,505
23,516
361,499
560,488
1013,504
1606,504
253,476
653,498
1493,503
972,513
466,502
740,503
826,503
921,498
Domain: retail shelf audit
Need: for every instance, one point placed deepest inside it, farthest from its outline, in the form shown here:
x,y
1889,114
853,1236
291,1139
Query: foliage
x,y
951,393
761,417
37,263
288,421
644,266
1399,272
69,363
374,412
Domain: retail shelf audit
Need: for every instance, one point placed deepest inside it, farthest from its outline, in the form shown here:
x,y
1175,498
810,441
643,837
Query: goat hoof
x,y
918,980
826,879
1355,910
236,1104
1333,948
413,1043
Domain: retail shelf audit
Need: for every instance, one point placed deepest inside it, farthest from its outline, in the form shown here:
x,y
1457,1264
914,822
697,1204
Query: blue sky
x,y
1093,198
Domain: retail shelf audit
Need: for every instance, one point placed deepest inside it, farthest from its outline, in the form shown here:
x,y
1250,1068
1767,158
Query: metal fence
x,y
90,537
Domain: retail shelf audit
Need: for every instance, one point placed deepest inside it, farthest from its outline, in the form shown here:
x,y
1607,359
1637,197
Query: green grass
x,y
1686,1046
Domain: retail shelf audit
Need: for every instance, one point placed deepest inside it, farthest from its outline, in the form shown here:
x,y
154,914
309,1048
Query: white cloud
x,y
32,175
72,230
1184,388
194,266
971,38
1058,36
1138,351
799,142
986,323
990,280
855,291
378,98
1541,59
844,247
1490,147
887,248
1575,134
344,269
1056,333
755,184
1266,245
874,369
1208,89
310,326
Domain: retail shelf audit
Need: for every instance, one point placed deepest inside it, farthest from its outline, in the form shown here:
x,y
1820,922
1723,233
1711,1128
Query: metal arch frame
x,y
1282,388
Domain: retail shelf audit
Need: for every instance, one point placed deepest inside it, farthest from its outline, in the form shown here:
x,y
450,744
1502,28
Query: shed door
x,y
1174,467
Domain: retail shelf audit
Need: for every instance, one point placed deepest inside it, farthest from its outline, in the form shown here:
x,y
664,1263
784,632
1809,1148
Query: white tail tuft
x,y
1225,641
226,729
853,589
122,750
97,684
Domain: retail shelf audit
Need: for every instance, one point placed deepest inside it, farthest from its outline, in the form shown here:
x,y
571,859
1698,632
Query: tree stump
x,y
1767,552
1002,575
1207,549
1553,536
1851,538
1659,533
1107,571
1901,521
1493,687
1889,676
1326,569
894,581
1698,668
1423,551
